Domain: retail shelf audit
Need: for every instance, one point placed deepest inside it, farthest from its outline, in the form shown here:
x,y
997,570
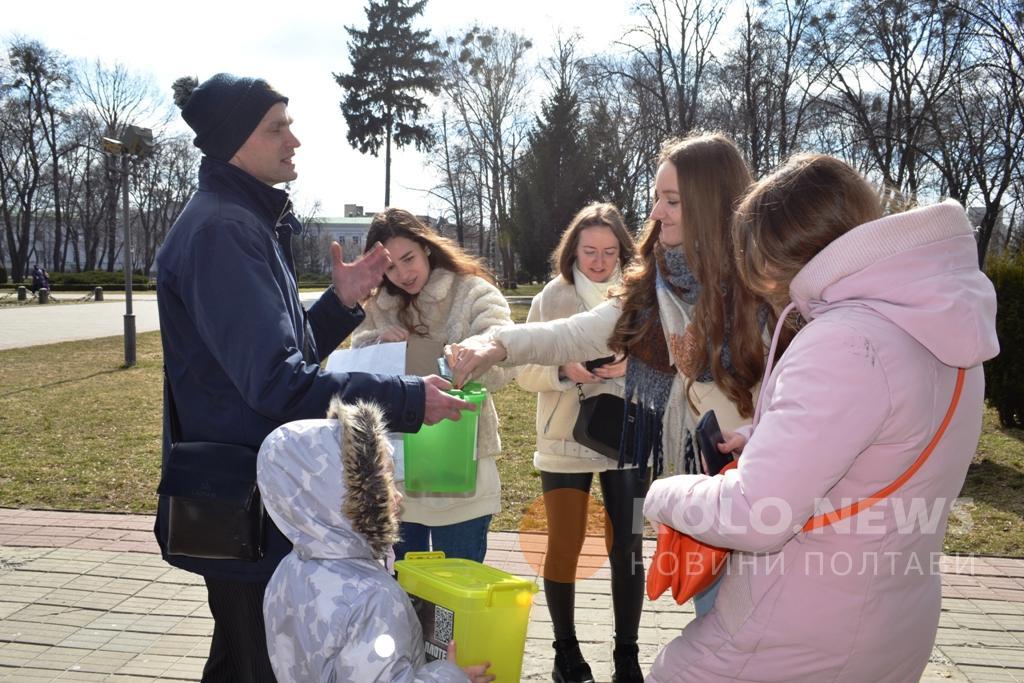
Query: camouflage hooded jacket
x,y
332,612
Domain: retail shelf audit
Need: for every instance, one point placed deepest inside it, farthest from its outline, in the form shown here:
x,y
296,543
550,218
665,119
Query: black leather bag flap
x,y
201,470
599,424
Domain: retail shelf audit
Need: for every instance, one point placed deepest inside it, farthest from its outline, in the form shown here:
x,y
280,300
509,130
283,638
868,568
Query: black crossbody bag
x,y
599,423
214,506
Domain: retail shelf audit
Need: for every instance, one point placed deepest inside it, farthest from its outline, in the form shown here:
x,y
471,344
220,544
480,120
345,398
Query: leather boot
x,y
570,667
627,664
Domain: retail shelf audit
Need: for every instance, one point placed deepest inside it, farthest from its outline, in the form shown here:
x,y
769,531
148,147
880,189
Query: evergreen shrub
x,y
1004,374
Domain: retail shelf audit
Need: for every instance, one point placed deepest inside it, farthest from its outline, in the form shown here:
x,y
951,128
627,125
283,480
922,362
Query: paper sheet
x,y
384,359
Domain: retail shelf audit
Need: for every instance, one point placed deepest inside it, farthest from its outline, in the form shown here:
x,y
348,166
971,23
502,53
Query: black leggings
x,y
565,502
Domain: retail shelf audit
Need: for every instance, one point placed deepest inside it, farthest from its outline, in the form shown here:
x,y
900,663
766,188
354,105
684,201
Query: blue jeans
x,y
704,601
467,540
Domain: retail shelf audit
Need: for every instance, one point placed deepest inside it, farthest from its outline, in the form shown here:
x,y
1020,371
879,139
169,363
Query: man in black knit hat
x,y
241,354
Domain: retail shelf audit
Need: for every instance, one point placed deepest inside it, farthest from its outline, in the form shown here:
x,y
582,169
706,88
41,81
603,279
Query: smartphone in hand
x,y
592,365
708,435
443,369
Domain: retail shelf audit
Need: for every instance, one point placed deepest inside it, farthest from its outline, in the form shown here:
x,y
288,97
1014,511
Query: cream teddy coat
x,y
452,307
558,402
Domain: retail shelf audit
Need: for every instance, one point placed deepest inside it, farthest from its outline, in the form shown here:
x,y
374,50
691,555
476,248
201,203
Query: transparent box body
x,y
441,458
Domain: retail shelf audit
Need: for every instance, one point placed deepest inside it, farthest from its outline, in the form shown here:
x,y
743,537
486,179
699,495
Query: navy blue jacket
x,y
241,353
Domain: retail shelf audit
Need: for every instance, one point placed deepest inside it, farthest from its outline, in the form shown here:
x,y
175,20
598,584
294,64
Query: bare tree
x,y
486,82
890,62
771,81
84,203
311,247
118,97
453,159
989,109
45,78
671,46
623,141
23,159
161,186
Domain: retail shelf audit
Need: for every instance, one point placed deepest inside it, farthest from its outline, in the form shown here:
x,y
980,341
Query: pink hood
x,y
918,269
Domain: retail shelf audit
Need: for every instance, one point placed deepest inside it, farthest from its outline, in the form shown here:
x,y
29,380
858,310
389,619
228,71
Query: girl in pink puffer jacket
x,y
891,307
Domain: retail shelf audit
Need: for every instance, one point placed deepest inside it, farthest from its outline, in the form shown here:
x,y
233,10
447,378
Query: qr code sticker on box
x,y
444,624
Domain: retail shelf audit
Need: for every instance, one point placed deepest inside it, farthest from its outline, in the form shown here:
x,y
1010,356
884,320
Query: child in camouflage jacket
x,y
332,611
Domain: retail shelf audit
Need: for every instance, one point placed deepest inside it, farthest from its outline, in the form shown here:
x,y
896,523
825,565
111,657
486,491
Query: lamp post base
x,y
129,341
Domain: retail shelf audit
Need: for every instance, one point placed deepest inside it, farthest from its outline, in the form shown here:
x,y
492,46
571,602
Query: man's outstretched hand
x,y
440,404
354,281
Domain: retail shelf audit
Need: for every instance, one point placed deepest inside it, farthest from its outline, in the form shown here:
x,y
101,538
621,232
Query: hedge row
x,y
1004,374
96,277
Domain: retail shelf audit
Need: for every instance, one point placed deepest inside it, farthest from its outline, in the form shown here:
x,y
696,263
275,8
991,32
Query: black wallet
x,y
708,436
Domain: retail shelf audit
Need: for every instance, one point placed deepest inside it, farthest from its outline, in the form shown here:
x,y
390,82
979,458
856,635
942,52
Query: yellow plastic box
x,y
485,609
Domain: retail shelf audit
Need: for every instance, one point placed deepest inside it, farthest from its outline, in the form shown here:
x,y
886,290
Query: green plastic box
x,y
485,609
441,458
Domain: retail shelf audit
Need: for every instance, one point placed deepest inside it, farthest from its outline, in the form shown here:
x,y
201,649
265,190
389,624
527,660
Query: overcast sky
x,y
296,45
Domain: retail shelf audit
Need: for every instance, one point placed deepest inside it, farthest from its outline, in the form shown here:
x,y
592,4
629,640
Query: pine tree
x,y
393,67
555,181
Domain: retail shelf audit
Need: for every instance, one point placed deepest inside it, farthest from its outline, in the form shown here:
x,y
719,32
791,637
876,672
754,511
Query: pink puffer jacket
x,y
894,307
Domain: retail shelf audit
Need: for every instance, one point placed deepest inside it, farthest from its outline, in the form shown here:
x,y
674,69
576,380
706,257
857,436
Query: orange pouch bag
x,y
689,566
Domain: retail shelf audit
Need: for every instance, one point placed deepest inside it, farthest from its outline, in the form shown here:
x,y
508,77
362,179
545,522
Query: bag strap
x,y
829,518
172,410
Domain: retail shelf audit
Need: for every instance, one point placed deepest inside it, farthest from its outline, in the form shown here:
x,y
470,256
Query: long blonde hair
x,y
712,175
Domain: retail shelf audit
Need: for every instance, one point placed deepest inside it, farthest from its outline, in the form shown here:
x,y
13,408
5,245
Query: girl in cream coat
x,y
692,335
436,292
587,263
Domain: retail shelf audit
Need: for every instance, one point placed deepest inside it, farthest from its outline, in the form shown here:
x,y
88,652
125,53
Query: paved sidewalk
x,y
86,597
32,324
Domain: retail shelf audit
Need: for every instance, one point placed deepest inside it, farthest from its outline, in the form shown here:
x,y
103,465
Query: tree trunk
x,y
988,224
387,169
58,222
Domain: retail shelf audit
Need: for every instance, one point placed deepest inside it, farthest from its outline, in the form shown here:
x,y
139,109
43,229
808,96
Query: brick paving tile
x,y
1008,658
989,674
145,619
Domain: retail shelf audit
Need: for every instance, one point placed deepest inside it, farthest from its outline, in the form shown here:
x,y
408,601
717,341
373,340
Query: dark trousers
x,y
565,502
238,651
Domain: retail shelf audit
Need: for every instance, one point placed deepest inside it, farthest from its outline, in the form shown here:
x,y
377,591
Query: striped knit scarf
x,y
653,360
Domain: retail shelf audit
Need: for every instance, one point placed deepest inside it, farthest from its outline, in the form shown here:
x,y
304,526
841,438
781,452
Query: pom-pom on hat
x,y
224,110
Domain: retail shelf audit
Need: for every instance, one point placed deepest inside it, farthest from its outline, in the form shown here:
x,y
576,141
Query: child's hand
x,y
476,673
733,443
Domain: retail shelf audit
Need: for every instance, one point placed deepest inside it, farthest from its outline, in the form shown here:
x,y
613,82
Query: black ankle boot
x,y
570,667
627,664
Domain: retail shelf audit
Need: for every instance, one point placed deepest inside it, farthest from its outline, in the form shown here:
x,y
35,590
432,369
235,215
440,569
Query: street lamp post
x,y
137,142
129,316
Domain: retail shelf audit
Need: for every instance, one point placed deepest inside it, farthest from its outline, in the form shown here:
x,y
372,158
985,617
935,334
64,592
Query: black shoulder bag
x,y
214,505
599,423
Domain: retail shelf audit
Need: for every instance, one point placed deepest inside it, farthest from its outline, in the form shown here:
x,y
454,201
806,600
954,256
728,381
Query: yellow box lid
x,y
462,578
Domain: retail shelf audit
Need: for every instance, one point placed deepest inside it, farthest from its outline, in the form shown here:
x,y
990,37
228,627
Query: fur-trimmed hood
x,y
327,485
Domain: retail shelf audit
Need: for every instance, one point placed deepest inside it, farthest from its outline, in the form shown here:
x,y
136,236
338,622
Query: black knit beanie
x,y
224,110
